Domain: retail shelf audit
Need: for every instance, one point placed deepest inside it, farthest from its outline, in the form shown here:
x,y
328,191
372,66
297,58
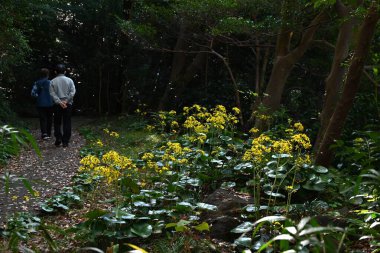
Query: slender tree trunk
x,y
351,86
264,68
336,77
100,94
234,84
108,93
178,64
196,65
257,70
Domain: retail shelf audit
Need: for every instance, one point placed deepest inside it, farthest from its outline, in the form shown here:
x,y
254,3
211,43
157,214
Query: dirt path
x,y
47,175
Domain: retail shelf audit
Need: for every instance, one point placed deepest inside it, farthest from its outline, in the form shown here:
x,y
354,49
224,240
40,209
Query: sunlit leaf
x,y
314,230
206,206
202,227
270,219
143,230
274,194
243,241
243,228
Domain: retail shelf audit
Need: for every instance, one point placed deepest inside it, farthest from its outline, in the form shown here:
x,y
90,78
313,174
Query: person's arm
x,y
71,91
56,99
53,95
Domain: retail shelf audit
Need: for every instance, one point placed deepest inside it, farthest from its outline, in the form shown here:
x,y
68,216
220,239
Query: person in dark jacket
x,y
40,91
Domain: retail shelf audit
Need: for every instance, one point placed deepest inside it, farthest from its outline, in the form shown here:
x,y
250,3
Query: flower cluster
x,y
111,133
294,145
260,147
110,167
200,122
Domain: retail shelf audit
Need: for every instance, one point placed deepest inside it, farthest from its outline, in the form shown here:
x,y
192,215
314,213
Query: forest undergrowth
x,y
145,183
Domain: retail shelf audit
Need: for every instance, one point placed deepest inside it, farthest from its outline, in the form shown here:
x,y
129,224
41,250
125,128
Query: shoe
x,y
57,143
65,145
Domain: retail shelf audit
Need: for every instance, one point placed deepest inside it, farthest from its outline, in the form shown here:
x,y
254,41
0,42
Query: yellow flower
x,y
149,127
111,157
106,130
221,108
174,124
282,147
114,134
99,143
26,198
147,156
263,117
201,128
89,161
161,115
298,126
358,140
301,141
172,113
183,161
191,122
236,110
176,148
254,130
14,198
186,110
289,131
197,107
301,160
200,151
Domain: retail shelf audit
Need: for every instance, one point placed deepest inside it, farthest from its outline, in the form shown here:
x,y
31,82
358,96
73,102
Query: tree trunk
x,y
336,77
196,65
351,86
100,90
178,64
284,63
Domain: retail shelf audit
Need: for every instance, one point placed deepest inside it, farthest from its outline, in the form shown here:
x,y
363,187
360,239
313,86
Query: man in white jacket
x,y
62,91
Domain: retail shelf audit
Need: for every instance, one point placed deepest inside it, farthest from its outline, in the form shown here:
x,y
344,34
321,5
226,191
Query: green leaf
x,y
143,230
202,227
141,204
270,219
275,194
285,237
227,185
243,241
320,169
94,214
206,206
314,230
28,186
243,166
243,228
252,208
278,156
302,223
47,208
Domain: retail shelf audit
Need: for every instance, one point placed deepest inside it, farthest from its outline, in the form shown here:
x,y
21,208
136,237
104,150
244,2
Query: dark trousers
x,y
46,117
62,115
